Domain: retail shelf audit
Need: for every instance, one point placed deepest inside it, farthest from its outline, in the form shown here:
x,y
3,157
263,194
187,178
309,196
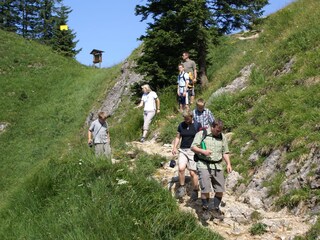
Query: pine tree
x,y
188,25
63,41
46,21
9,15
39,20
28,18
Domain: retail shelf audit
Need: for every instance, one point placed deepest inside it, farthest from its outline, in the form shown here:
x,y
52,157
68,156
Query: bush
x,y
258,229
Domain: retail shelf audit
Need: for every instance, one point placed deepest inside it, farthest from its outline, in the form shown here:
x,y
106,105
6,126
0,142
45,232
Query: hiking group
x,y
202,149
199,142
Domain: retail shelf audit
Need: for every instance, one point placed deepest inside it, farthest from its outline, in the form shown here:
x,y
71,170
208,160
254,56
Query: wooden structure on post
x,y
97,56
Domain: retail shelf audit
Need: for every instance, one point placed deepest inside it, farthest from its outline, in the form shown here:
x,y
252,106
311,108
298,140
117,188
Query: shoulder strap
x,y
204,134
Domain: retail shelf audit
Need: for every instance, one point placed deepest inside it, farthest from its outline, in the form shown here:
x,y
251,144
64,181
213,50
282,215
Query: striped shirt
x,y
205,118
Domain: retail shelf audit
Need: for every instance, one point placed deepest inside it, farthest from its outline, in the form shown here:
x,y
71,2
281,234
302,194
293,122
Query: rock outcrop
x,y
121,88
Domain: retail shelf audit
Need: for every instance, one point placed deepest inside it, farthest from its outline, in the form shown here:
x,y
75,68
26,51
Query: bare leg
x,y
195,182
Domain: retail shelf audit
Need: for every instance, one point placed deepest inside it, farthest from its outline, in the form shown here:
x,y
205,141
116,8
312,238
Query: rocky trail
x,y
240,216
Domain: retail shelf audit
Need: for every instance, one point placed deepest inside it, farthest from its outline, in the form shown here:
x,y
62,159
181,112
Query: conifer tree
x,y
188,25
63,41
47,18
28,18
9,15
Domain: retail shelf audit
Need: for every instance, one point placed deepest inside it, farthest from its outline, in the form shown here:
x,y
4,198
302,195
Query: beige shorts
x,y
185,159
103,149
208,178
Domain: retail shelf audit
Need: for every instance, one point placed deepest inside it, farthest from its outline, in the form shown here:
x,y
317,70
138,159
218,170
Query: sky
x,y
111,26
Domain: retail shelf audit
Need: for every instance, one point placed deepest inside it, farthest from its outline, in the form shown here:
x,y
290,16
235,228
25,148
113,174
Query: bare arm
x,y
108,137
227,160
89,137
140,105
158,105
195,73
175,144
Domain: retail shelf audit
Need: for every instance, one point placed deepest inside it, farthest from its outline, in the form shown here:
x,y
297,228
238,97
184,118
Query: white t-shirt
x,y
149,101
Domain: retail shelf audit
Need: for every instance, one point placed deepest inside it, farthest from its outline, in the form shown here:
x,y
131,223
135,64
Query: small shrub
x,y
255,216
258,229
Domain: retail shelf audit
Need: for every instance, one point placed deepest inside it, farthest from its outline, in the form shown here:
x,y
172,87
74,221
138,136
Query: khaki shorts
x,y
211,179
103,149
185,158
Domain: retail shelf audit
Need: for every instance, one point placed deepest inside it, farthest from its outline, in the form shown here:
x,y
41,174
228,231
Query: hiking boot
x,y
181,192
194,195
142,140
217,214
206,215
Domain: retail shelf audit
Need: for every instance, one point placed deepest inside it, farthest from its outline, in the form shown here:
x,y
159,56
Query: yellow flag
x,y
63,27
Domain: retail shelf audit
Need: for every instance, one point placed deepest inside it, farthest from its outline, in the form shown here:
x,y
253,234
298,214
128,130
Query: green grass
x,y
293,198
44,105
274,111
82,196
274,184
258,229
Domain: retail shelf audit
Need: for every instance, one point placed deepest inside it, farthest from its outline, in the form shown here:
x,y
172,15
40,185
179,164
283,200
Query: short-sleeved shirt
x,y
187,133
183,79
99,131
189,66
149,101
218,146
205,118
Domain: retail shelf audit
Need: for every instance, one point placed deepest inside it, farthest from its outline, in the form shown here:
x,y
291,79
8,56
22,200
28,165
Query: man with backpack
x,y
190,68
210,149
183,79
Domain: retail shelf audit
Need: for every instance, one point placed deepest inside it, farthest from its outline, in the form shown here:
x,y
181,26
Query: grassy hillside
x,y
275,110
43,99
52,186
